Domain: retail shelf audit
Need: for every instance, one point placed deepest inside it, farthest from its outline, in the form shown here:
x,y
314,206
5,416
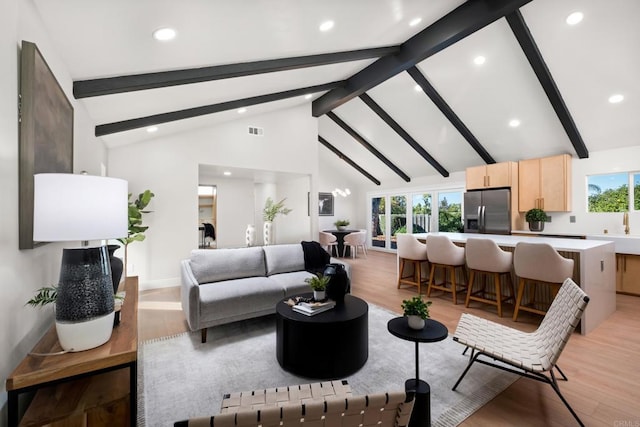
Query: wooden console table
x,y
88,387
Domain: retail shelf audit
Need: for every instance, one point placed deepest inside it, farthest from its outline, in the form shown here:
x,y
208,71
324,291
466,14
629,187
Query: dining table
x,y
340,236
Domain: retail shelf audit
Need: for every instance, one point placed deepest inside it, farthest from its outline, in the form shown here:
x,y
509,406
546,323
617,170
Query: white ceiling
x,y
589,62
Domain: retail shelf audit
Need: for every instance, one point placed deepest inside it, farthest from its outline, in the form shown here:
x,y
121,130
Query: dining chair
x,y
327,241
354,241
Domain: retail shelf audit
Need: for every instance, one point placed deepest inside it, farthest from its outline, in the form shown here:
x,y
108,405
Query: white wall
x,y
22,272
169,167
334,175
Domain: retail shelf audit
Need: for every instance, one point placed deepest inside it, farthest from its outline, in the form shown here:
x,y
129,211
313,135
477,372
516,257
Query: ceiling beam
x,y
156,119
448,112
530,49
348,160
355,135
466,19
403,134
130,83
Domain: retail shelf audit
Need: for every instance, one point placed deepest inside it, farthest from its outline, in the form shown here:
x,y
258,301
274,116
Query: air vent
x,y
253,130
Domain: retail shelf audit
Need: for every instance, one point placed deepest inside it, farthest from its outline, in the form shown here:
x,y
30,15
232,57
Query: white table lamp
x,y
71,207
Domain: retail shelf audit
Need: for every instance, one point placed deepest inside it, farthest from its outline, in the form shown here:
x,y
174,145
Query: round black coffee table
x,y
329,345
433,331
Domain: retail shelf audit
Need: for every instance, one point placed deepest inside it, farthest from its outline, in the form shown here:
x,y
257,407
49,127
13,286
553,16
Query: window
x,y
450,211
610,192
421,213
378,222
636,191
398,217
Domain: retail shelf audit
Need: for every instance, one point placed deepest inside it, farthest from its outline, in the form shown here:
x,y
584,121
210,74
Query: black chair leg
x,y
472,359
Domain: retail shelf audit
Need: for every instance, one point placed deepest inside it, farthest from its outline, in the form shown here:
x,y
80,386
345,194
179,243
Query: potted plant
x,y
416,310
536,219
269,213
136,229
319,285
341,224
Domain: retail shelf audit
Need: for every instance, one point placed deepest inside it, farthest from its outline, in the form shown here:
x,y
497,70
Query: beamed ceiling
x,y
393,101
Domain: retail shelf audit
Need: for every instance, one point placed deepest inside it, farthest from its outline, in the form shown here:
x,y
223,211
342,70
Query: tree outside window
x,y
450,212
610,193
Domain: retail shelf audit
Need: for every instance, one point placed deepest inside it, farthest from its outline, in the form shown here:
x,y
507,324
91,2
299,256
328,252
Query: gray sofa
x,y
226,285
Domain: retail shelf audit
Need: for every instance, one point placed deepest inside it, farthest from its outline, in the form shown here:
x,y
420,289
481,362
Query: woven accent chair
x,y
485,258
329,404
327,240
410,251
443,253
356,240
538,263
532,355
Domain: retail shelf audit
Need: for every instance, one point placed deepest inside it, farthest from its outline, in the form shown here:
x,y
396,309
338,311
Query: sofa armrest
x,y
190,295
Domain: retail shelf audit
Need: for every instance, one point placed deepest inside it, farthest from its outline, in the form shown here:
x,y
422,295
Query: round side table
x,y
433,331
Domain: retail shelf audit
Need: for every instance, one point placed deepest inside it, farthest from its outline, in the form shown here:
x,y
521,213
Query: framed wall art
x,y
325,204
46,132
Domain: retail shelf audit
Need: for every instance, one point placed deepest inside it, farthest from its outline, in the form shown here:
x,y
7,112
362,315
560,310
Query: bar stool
x,y
485,258
538,263
443,253
411,251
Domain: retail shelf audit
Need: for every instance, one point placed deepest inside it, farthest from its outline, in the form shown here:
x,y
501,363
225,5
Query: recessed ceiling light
x,y
242,110
614,99
514,123
326,25
164,34
226,173
574,18
415,21
417,88
479,60
152,129
308,96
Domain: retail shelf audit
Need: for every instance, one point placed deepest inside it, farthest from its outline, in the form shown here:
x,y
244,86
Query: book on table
x,y
312,308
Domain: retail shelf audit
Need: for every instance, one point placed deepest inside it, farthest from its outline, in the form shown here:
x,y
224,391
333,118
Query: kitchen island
x,y
594,268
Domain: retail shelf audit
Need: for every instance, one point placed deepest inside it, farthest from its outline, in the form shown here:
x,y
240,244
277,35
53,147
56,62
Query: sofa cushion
x,y
226,299
284,258
293,283
215,265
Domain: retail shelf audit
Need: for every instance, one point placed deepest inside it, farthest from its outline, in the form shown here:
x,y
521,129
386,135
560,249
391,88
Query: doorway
x,y
207,224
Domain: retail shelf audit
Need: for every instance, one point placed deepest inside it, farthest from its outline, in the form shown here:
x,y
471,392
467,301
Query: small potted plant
x,y
341,224
416,310
319,285
536,219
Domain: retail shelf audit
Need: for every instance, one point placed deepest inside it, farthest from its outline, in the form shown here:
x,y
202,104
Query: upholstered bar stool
x,y
411,251
443,253
327,240
486,259
536,263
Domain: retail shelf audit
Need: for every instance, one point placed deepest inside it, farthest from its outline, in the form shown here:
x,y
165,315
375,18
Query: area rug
x,y
179,377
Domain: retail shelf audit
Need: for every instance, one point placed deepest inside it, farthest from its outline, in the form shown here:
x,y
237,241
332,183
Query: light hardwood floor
x,y
602,367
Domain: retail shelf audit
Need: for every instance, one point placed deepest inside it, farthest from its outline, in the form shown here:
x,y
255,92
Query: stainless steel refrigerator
x,y
487,211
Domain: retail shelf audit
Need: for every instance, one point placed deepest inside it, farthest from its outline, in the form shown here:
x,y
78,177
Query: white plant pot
x,y
250,235
319,295
268,233
415,322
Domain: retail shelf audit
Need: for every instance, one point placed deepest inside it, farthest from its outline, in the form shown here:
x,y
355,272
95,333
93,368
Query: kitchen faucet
x,y
625,222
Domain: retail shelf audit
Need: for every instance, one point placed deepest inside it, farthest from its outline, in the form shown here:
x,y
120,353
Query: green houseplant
x,y
536,219
341,224
417,310
319,285
272,209
136,229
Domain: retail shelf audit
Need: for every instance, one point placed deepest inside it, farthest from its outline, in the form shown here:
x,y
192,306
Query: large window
x,y
398,217
610,192
378,222
421,213
450,211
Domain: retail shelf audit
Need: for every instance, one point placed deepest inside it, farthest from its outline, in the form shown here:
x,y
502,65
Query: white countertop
x,y
569,245
625,243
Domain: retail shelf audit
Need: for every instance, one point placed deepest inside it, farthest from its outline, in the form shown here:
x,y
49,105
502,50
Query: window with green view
x,y
450,211
610,192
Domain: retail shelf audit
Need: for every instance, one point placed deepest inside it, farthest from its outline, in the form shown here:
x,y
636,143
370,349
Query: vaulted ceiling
x,y
395,99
